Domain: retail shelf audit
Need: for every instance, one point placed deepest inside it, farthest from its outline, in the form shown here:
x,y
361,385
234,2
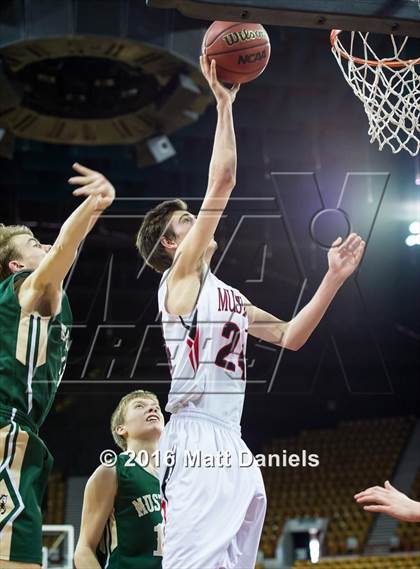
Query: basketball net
x,y
389,88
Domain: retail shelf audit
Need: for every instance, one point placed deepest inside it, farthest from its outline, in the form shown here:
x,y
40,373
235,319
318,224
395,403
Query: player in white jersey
x,y
215,501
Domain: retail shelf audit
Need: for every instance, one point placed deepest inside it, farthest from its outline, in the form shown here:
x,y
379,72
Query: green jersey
x,y
33,354
132,538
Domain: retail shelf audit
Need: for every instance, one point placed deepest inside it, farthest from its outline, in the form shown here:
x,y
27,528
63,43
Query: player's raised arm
x,y
98,503
46,280
343,259
222,178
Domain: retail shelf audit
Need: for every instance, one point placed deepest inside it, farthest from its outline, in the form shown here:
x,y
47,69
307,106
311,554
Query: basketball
x,y
241,50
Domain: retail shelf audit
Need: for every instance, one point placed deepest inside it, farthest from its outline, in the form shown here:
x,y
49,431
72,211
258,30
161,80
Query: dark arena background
x,y
116,85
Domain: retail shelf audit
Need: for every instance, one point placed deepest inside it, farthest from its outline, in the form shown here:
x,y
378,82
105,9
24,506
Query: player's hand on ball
x,y
93,184
344,257
221,93
389,500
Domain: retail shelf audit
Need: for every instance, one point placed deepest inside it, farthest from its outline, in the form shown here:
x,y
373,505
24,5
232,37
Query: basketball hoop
x,y
389,89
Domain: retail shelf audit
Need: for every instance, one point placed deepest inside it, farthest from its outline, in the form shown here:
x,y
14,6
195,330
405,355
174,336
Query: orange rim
x,y
395,63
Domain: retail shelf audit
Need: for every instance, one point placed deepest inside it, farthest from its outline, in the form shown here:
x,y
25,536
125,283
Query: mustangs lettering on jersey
x,y
206,349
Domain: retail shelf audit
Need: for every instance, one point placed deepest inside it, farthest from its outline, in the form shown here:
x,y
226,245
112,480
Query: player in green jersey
x,y
122,519
35,321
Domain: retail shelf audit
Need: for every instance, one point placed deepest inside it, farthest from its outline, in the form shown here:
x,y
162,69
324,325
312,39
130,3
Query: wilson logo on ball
x,y
252,57
243,35
241,51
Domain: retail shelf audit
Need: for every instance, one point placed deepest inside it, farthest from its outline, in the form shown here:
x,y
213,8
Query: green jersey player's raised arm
x,y
35,320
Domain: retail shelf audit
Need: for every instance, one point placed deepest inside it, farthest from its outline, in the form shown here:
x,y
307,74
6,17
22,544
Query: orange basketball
x,y
241,50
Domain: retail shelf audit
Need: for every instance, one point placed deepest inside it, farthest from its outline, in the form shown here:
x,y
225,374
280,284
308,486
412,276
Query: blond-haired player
x,y
215,513
35,320
122,519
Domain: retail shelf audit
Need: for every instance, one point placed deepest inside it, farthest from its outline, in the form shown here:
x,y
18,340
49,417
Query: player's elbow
x,y
292,345
289,340
223,182
229,178
80,556
77,557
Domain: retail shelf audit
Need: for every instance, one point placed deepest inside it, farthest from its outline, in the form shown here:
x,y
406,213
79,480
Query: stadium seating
x,y
56,500
355,455
409,533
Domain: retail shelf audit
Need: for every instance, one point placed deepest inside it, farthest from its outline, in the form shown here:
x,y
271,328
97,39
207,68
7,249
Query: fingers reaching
x,y
235,88
213,71
355,244
377,509
93,184
204,64
358,254
209,70
83,169
387,499
89,181
337,242
376,495
353,247
350,243
93,189
82,180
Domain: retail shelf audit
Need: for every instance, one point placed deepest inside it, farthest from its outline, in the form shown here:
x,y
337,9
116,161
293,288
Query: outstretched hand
x,y
344,257
389,500
221,93
93,184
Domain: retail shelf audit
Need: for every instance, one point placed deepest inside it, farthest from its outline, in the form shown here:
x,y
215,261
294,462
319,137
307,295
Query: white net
x,y
389,88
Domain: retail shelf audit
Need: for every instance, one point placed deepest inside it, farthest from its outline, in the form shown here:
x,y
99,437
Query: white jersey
x,y
206,350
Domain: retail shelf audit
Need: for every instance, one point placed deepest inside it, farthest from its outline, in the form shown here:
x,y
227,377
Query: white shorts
x,y
214,514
